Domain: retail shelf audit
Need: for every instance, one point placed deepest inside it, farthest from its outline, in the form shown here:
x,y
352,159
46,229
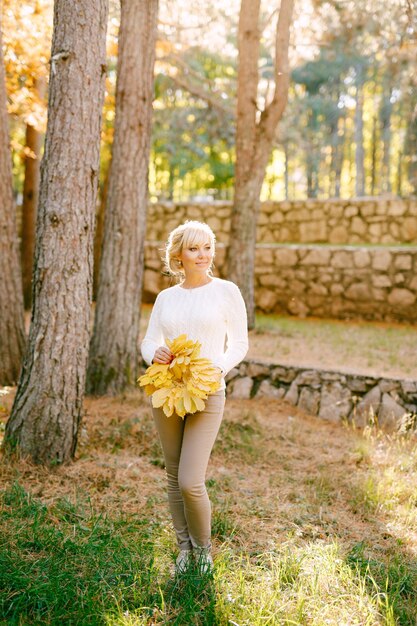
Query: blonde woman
x,y
212,311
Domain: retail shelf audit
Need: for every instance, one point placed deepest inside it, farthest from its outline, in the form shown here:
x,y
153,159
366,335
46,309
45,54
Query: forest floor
x,y
314,523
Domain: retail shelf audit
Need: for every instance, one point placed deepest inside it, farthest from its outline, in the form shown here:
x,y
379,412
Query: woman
x,y
212,311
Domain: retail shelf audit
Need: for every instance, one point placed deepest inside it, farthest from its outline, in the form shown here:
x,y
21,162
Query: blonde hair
x,y
187,234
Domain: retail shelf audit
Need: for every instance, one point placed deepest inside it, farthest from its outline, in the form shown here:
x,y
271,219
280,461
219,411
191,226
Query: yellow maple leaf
x,y
184,384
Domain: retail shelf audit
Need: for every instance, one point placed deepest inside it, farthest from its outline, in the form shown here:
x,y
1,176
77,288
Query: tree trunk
x,y
359,150
385,117
47,408
30,202
373,155
12,333
254,141
99,233
114,351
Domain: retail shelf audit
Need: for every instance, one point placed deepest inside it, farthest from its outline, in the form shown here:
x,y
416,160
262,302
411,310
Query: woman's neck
x,y
191,282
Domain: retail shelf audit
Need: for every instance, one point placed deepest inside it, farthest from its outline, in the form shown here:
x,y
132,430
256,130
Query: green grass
x,y
66,564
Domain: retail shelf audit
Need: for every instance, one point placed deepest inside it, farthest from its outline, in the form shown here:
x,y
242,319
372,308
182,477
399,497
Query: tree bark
x,y
34,141
99,233
359,150
47,408
254,140
385,117
114,350
12,334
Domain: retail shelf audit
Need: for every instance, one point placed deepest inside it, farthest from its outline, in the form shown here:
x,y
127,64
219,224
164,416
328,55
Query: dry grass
x,y
322,509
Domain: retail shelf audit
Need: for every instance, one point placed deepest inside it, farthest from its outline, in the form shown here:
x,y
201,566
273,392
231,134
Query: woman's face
x,y
196,258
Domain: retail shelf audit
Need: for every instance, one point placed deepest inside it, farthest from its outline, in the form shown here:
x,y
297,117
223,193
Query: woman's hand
x,y
162,355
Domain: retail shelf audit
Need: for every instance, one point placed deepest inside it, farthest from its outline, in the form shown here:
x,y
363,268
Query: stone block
x,y
264,256
409,387
317,256
358,291
396,207
399,278
267,390
361,258
403,262
298,307
336,290
357,384
381,280
409,229
286,257
387,385
379,295
272,280
339,235
283,374
358,226
309,400
341,259
390,412
292,393
313,231
368,407
276,217
241,388
401,298
266,299
256,369
375,231
309,377
351,211
335,402
366,210
381,259
318,290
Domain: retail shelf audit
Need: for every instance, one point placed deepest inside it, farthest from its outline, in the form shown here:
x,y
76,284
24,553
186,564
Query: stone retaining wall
x,y
337,221
374,283
332,395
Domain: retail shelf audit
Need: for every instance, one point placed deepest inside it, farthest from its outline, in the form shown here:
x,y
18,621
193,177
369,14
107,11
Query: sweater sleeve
x,y
154,336
236,331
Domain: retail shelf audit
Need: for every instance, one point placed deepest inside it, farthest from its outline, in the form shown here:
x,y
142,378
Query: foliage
x,y
193,131
185,383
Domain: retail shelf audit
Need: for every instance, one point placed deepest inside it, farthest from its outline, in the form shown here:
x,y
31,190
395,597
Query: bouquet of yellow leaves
x,y
184,384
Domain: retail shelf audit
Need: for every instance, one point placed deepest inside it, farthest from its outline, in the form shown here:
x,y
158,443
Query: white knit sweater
x,y
213,314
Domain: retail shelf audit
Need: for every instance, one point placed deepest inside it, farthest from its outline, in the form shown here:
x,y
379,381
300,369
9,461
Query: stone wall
x,y
337,221
332,395
375,283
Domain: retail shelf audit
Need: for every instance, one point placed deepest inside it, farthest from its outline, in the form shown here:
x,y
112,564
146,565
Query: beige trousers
x,y
187,444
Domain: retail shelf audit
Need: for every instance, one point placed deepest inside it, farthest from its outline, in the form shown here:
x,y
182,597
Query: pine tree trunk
x,y
12,334
385,116
254,140
114,351
373,155
30,202
99,233
47,408
359,150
